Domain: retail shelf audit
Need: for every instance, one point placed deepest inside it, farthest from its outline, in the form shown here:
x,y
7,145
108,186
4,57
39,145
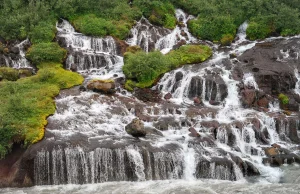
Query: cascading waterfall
x,y
18,61
89,55
108,153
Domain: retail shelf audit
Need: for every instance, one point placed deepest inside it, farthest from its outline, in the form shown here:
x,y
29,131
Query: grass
x,y
26,103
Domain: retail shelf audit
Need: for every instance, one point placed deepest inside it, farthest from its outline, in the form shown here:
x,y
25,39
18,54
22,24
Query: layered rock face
x,y
221,119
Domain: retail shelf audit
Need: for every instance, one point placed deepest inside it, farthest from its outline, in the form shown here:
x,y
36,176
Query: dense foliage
x,y
215,19
143,69
26,103
46,52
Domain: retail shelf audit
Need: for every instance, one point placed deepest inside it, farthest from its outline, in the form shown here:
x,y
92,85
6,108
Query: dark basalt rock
x,y
136,128
147,95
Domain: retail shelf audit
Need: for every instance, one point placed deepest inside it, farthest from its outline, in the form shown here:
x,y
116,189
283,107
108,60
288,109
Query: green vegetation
x,y
215,19
284,99
158,12
11,74
46,52
219,18
143,69
26,103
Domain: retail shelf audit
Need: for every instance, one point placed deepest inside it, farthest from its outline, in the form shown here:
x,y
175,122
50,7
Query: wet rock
x,y
263,102
15,50
147,94
248,97
214,103
197,101
271,151
178,76
164,123
136,128
232,55
102,86
281,159
73,67
168,96
276,146
82,88
293,105
193,132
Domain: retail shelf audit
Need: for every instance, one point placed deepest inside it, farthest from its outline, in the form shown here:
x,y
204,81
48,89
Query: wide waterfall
x,y
218,124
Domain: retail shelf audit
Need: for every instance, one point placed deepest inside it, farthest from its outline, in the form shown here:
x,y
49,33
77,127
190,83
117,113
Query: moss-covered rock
x,y
26,103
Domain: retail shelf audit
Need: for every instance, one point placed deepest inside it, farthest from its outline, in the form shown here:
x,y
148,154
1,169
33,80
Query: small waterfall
x,y
90,55
75,166
18,61
179,34
145,35
297,87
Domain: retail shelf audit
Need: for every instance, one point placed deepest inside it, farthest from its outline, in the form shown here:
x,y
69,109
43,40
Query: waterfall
x,y
18,61
89,55
214,139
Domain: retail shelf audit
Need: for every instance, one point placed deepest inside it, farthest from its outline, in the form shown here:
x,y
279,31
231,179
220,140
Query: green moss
x,y
46,52
284,99
10,74
226,40
144,69
26,103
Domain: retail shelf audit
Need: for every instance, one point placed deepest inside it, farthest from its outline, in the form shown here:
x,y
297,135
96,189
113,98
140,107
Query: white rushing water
x,y
19,61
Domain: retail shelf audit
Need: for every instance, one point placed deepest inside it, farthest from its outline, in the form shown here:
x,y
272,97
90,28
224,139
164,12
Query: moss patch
x,y
26,103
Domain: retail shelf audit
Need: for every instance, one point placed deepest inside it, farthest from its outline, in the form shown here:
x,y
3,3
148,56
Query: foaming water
x,y
163,187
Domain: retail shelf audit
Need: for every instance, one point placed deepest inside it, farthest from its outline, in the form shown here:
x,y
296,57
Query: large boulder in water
x,y
136,128
102,86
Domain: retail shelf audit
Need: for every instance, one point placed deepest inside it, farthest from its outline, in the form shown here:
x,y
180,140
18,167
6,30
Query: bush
x,y
284,99
94,26
213,29
226,40
26,103
143,69
161,13
46,52
9,74
257,31
43,32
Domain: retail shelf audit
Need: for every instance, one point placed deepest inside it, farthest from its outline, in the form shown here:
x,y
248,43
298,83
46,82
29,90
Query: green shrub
x,y
214,28
226,40
284,99
46,52
43,32
94,26
144,69
9,74
257,31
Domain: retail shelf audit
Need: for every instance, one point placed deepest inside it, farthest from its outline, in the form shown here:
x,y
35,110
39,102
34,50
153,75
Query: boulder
x,y
147,94
248,97
73,67
263,102
168,96
102,86
136,128
271,151
197,101
193,132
